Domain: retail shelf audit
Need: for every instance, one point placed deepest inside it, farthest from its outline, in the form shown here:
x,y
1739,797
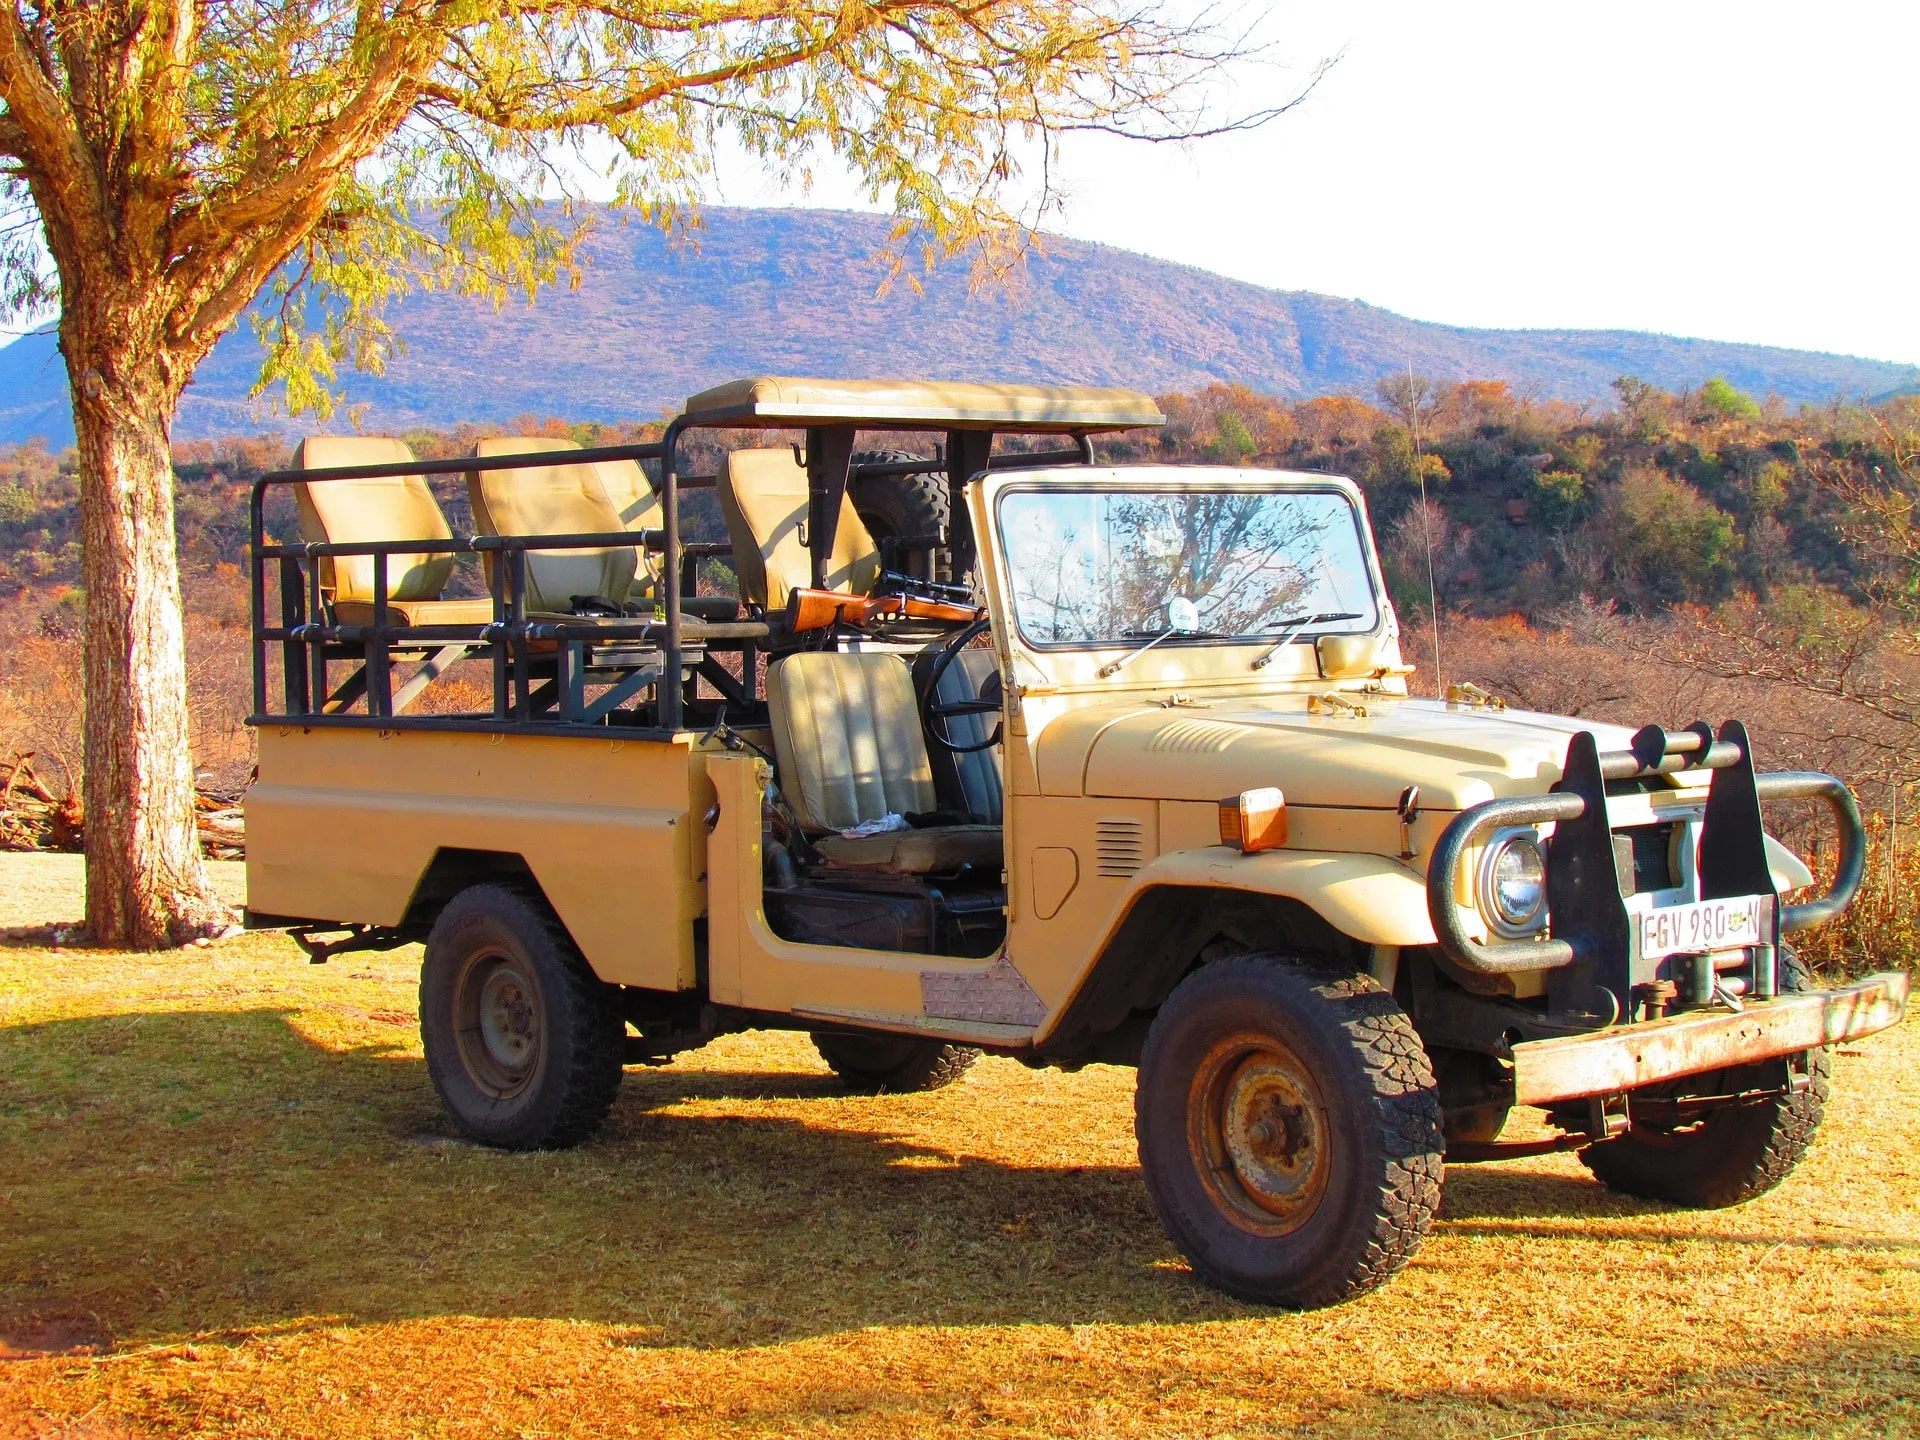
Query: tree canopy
x,y
444,143
164,161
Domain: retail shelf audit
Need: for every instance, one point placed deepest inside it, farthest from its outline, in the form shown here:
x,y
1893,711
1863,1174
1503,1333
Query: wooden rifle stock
x,y
819,609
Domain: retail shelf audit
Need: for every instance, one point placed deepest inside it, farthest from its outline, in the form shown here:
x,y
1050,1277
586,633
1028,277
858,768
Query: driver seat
x,y
846,734
971,783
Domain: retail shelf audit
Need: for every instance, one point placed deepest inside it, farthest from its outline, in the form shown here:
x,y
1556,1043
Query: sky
x,y
1730,171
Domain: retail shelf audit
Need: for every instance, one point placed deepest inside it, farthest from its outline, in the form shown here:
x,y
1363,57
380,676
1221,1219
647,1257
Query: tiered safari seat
x,y
560,499
846,733
393,508
557,499
763,494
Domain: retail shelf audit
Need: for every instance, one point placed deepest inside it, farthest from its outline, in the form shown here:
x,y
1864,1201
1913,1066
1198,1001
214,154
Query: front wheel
x,y
1289,1130
1709,1158
523,1043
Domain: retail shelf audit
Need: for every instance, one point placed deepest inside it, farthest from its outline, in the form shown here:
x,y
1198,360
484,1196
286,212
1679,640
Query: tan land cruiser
x,y
1010,750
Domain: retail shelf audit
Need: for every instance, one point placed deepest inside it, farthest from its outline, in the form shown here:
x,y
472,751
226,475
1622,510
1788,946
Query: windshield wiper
x,y
1114,667
1299,623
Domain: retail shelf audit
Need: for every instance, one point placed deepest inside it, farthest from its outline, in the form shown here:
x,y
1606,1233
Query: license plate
x,y
1707,925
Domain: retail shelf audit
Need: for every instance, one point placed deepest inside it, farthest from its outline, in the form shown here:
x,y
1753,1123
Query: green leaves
x,y
1679,543
339,155
1723,400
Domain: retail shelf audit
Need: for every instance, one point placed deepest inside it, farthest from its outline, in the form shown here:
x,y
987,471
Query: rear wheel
x,y
1289,1130
523,1043
893,1064
1709,1159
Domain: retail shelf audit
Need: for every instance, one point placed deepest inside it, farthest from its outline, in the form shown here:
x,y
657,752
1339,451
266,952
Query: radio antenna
x,y
1426,532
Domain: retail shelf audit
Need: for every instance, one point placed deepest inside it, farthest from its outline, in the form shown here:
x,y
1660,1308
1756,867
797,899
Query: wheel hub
x,y
499,1024
1260,1133
507,1020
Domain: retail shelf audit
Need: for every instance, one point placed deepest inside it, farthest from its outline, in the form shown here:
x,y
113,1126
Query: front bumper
x,y
1625,1057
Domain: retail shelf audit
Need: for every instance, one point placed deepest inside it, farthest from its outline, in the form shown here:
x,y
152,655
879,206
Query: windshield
x,y
1098,567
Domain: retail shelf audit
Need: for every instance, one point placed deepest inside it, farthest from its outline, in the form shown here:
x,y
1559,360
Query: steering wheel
x,y
937,715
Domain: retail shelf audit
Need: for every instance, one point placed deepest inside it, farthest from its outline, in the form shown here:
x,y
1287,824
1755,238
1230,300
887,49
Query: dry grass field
x,y
229,1206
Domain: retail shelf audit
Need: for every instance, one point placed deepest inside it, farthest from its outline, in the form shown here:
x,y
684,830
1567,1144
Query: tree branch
x,y
44,137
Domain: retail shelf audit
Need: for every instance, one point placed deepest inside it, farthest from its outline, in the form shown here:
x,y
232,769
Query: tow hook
x,y
1606,1117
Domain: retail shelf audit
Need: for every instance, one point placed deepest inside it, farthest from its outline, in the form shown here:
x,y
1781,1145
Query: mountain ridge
x,y
798,292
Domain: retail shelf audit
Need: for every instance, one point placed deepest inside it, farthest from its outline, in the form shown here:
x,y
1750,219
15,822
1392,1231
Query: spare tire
x,y
893,507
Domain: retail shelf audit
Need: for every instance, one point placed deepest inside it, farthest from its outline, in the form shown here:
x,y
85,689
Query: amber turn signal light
x,y
1254,820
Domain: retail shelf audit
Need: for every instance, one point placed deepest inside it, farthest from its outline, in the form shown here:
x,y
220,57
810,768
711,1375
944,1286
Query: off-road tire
x,y
1736,1152
893,1064
1377,1137
891,506
500,952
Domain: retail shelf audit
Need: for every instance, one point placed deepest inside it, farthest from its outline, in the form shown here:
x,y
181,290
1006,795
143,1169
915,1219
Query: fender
x,y
1362,899
1789,871
1366,897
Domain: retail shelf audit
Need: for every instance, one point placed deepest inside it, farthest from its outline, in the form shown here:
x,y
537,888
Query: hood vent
x,y
1196,737
1120,847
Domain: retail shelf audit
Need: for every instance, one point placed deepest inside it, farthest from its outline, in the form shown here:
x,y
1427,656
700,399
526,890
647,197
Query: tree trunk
x,y
146,885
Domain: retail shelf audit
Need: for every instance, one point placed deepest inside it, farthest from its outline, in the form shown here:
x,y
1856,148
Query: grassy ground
x,y
229,1205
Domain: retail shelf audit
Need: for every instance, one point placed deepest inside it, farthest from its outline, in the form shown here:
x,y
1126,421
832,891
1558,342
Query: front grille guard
x,y
1591,955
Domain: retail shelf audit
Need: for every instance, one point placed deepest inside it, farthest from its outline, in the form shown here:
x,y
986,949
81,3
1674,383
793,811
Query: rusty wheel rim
x,y
1259,1133
497,1012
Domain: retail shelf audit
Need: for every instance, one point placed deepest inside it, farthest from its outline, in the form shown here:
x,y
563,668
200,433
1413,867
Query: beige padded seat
x,y
846,733
632,494
552,500
916,852
633,500
345,512
763,494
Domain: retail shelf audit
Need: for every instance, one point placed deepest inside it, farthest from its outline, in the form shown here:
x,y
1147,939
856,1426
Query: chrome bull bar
x,y
1588,926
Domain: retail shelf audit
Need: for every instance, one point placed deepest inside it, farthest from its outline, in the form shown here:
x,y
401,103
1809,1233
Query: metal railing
x,y
308,640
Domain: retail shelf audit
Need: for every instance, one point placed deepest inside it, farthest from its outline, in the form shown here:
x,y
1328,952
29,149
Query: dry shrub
x,y
466,688
42,696
41,710
1880,930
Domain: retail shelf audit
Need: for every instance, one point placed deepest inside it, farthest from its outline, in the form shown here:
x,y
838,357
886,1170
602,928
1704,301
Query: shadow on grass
x,y
1854,1386
182,1173
173,1174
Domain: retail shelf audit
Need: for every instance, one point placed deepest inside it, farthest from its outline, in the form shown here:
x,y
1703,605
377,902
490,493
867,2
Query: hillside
x,y
794,291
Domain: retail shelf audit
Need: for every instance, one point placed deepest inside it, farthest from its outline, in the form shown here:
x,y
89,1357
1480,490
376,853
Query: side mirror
x,y
1347,657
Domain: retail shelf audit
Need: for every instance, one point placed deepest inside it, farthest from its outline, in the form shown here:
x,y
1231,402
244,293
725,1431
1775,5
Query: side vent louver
x,y
1121,850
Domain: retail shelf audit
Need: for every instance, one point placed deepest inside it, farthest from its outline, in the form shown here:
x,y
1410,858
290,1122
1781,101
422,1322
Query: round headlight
x,y
1515,885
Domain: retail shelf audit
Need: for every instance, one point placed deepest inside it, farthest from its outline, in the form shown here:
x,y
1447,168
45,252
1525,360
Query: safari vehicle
x,y
1098,764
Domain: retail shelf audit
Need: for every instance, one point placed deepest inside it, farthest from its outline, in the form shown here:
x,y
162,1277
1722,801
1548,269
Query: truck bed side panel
x,y
342,824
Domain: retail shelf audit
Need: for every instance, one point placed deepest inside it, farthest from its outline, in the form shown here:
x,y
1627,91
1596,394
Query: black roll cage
x,y
309,636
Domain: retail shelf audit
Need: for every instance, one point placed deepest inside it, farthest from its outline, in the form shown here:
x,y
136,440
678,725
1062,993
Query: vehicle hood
x,y
1458,756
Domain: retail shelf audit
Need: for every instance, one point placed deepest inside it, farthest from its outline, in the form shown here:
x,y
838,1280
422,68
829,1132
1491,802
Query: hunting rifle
x,y
820,609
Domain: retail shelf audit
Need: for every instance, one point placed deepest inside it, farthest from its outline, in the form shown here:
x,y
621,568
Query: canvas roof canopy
x,y
782,401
